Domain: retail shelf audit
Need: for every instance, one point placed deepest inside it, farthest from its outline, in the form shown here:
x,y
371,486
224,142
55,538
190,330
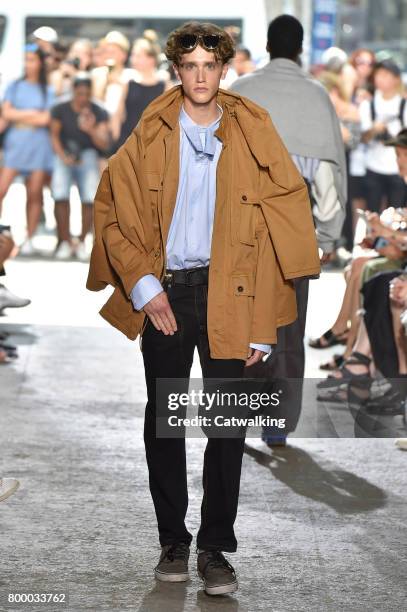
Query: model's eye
x,y
189,66
211,66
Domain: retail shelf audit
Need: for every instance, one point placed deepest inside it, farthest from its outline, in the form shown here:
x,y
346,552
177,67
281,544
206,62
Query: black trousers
x,y
379,322
171,357
286,363
390,186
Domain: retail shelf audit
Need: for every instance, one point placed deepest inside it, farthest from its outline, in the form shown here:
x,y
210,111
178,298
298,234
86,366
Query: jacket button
x,y
240,288
244,198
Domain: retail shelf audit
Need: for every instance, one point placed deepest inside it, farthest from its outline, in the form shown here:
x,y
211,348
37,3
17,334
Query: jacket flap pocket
x,y
242,284
249,197
153,180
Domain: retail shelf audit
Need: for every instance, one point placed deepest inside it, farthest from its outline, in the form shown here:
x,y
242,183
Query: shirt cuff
x,y
146,288
266,348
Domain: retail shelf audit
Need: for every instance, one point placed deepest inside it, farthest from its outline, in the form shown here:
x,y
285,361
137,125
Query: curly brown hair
x,y
223,52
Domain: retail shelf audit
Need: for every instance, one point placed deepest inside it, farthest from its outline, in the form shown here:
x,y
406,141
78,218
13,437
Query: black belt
x,y
189,277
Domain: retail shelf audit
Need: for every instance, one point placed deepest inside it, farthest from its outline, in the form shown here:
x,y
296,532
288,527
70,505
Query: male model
x,y
306,120
202,221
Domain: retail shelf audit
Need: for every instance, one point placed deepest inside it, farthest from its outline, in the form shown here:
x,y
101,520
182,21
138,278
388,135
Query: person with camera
x,y
382,118
79,132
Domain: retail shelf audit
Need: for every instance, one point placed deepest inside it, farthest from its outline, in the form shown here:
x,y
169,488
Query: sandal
x,y
330,338
347,375
333,364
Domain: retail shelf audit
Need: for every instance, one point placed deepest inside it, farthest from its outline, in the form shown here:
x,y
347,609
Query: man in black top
x,y
79,132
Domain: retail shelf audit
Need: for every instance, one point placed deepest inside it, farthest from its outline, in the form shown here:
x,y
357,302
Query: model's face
x,y
401,154
200,74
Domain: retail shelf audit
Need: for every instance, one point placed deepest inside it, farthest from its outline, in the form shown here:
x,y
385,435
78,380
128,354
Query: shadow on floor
x,y
173,596
341,490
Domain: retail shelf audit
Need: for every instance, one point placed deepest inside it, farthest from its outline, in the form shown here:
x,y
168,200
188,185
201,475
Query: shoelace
x,y
216,559
176,551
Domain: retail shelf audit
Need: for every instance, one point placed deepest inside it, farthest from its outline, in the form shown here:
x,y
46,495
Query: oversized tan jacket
x,y
263,233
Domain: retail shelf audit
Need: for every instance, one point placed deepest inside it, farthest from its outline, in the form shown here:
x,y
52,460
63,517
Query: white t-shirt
x,y
379,158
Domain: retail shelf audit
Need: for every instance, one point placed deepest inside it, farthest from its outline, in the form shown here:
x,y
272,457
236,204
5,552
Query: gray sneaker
x,y
218,575
173,563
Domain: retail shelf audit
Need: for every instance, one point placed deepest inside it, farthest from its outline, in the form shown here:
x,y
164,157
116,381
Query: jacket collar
x,y
167,107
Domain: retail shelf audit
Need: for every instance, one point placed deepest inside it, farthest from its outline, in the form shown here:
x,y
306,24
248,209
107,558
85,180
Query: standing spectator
x,y
242,62
27,144
79,132
349,119
138,92
363,61
78,59
381,118
307,123
108,80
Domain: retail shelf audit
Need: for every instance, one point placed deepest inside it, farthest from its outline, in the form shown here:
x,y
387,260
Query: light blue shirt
x,y
190,234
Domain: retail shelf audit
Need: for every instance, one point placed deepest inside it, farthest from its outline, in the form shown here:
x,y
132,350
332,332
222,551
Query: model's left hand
x,y
254,356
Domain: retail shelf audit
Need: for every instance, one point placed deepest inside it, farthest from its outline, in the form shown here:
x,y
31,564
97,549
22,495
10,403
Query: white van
x,y
91,19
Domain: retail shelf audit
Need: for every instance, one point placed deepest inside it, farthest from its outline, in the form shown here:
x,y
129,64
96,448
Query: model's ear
x,y
175,67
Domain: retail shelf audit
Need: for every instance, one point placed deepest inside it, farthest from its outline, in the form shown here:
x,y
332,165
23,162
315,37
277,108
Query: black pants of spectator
x,y
379,323
171,357
287,363
388,186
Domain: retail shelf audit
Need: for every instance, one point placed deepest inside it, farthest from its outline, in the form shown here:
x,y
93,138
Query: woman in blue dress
x,y
27,149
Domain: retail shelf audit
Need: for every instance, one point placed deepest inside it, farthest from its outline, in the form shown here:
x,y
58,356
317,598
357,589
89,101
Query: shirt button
x,y
244,198
157,254
240,288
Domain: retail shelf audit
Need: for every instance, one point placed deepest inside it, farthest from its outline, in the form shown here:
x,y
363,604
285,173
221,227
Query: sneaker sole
x,y
163,577
9,492
220,589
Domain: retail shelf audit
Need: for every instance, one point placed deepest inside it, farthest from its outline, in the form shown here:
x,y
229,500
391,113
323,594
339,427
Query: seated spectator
x,y
79,132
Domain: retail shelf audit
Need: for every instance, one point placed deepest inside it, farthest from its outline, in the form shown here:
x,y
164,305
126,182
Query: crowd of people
x,y
75,105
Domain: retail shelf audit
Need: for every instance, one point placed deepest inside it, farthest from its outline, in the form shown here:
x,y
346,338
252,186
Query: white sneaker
x,y
64,251
27,248
8,486
9,300
82,252
401,443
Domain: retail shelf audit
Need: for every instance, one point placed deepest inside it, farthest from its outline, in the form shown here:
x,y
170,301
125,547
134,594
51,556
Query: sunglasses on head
x,y
208,41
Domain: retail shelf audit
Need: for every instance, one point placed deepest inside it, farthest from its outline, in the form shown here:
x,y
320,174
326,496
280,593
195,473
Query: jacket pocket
x,y
246,230
242,285
154,187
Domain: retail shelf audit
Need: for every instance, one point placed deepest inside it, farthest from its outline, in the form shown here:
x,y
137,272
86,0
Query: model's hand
x,y
160,314
254,356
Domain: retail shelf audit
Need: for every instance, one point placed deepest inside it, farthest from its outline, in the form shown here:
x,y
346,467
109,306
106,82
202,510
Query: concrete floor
x,y
322,525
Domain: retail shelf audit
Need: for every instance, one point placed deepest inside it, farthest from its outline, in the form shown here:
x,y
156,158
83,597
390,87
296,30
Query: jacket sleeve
x,y
129,262
286,208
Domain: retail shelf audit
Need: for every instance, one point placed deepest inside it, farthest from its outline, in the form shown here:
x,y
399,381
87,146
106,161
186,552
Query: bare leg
x,y
399,337
87,220
350,301
362,345
7,176
35,184
62,213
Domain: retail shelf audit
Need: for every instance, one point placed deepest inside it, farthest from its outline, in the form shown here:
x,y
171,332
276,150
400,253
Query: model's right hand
x,y
160,314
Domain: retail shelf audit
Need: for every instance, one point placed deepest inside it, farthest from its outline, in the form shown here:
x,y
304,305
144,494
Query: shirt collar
x,y
192,131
